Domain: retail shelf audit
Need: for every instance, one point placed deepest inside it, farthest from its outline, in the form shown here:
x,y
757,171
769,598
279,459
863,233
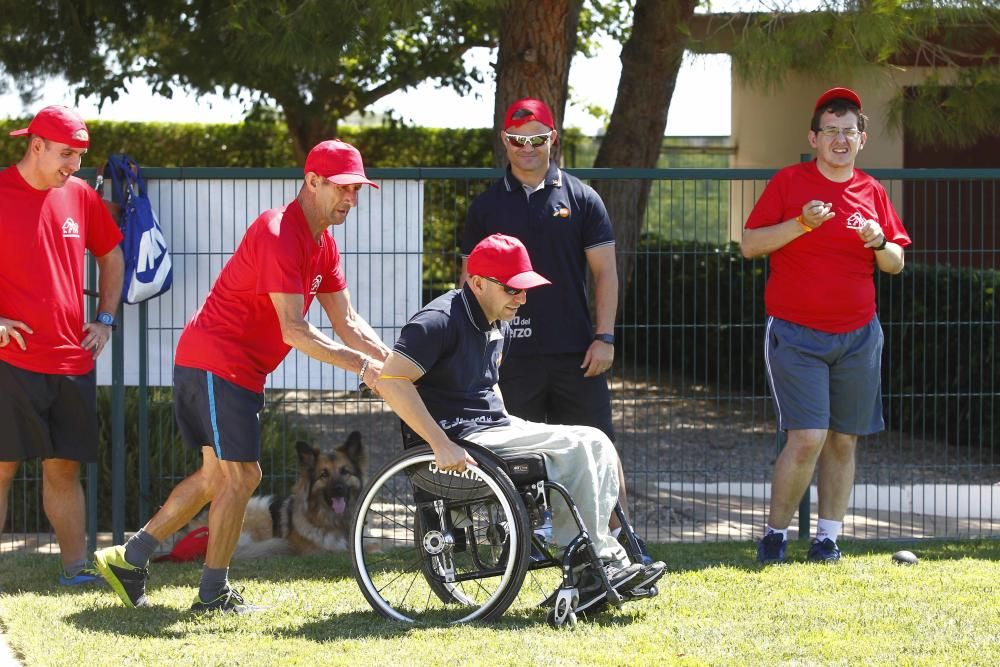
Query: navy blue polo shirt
x,y
459,353
557,224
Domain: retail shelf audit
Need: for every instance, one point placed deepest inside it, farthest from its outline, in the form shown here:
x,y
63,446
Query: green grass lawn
x,y
716,606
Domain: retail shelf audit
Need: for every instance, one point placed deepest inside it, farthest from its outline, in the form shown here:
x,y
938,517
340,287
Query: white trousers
x,y
582,459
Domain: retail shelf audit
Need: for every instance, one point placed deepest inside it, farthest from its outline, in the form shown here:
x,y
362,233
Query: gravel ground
x,y
670,439
676,438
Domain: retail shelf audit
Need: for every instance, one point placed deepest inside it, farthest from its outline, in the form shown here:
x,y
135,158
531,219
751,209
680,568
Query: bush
x,y
697,310
266,143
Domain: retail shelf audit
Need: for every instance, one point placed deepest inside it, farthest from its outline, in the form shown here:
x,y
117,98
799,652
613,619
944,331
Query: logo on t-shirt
x,y
856,221
70,229
315,284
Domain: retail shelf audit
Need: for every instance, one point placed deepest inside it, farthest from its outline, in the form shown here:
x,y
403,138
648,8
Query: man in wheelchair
x,y
441,379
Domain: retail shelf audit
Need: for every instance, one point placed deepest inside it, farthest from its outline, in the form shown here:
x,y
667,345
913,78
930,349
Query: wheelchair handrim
x,y
359,527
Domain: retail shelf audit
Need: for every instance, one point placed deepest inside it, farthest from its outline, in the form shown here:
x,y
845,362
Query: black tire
x,y
402,563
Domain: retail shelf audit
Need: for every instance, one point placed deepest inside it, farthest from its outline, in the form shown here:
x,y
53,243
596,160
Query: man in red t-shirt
x,y
825,227
48,391
250,320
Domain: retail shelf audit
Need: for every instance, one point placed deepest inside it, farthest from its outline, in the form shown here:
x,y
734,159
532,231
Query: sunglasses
x,y
512,291
520,140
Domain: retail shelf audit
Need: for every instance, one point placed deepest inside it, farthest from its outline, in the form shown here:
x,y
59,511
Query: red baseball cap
x,y
506,259
60,124
338,162
532,110
838,93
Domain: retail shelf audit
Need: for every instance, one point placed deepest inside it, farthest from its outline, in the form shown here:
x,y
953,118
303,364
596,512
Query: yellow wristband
x,y
802,223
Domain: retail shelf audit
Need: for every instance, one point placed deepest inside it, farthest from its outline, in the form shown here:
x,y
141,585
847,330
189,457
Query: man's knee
x,y
7,471
804,445
60,473
241,477
840,447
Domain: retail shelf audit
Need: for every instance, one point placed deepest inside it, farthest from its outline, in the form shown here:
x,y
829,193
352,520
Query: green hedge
x,y
696,310
266,144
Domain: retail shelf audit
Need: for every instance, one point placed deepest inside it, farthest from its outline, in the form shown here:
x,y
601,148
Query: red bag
x,y
192,546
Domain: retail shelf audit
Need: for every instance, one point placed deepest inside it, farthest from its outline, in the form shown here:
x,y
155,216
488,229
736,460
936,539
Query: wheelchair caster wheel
x,y
568,621
564,608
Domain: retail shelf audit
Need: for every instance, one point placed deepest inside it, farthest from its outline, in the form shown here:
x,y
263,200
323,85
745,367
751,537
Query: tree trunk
x,y
537,43
306,128
651,59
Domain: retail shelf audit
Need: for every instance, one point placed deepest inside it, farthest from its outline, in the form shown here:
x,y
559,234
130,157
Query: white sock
x,y
784,532
828,529
616,532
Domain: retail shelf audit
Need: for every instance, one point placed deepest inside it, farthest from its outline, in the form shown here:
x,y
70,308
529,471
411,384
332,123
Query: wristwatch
x,y
605,338
106,319
882,245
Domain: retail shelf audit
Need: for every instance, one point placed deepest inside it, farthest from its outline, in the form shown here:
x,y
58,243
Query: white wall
x,y
203,221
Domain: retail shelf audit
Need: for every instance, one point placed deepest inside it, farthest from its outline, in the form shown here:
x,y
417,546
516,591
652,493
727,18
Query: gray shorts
x,y
825,381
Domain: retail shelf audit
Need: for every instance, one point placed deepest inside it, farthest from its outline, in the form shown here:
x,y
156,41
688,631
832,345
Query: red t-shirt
x,y
43,235
235,334
823,279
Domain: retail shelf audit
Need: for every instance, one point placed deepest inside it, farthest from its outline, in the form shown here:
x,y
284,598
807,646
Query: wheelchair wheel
x,y
434,547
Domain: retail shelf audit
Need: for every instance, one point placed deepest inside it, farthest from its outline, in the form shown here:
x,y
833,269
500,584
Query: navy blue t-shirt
x,y
557,225
459,352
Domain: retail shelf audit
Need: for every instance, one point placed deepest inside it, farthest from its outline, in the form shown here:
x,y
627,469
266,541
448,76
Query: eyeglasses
x,y
521,140
850,133
512,291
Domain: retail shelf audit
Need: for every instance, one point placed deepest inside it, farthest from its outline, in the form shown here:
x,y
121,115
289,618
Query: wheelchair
x,y
435,547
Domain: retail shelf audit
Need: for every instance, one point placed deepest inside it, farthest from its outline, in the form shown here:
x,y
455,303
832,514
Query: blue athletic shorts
x,y
212,412
45,416
825,381
551,389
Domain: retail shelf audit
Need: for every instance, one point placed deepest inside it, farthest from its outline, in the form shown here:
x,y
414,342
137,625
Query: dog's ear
x,y
355,450
307,453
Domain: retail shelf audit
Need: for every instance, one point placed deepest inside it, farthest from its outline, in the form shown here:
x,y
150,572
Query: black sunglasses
x,y
512,291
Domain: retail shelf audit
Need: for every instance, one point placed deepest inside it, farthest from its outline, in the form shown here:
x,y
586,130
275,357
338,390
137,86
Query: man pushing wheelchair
x,y
441,379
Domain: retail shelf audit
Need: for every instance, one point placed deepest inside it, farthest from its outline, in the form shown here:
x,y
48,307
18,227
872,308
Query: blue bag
x,y
148,270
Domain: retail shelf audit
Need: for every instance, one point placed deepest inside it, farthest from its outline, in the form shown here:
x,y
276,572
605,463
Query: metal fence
x,y
691,406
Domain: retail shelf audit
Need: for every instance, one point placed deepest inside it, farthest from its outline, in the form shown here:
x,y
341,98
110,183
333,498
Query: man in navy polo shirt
x,y
441,379
555,370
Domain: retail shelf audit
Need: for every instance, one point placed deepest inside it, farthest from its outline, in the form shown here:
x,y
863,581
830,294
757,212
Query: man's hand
x,y
372,373
96,337
815,213
450,457
598,358
870,233
9,331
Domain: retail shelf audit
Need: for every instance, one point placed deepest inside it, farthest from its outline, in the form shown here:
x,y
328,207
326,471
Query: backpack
x,y
148,270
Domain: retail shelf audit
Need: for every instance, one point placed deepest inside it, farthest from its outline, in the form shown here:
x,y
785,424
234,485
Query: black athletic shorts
x,y
213,412
551,389
45,416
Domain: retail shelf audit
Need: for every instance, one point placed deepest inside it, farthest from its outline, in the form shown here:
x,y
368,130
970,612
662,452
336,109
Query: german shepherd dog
x,y
317,515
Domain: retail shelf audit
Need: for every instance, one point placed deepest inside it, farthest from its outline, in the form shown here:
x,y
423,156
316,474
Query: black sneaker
x,y
228,601
771,549
823,552
592,590
650,574
125,579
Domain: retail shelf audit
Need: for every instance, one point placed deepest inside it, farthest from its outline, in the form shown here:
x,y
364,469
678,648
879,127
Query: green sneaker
x,y
88,575
125,579
228,601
